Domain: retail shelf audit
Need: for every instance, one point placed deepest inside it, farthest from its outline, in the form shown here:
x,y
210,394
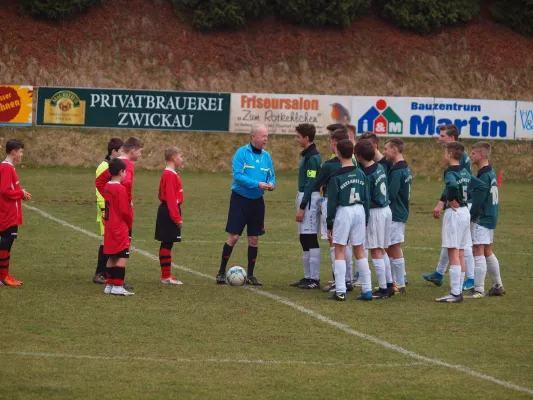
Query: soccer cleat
x,y
252,280
450,298
401,290
10,281
349,286
405,279
468,284
390,289
298,283
497,290
310,284
221,278
330,287
107,289
171,281
434,278
127,286
15,280
474,294
338,296
120,291
365,296
99,279
381,294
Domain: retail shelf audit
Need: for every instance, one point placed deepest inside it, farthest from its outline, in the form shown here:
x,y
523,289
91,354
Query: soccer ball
x,y
236,276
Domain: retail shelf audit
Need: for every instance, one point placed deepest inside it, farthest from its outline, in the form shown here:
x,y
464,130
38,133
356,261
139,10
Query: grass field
x,y
63,338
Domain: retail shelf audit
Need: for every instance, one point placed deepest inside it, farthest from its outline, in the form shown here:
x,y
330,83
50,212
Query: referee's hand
x,y
263,186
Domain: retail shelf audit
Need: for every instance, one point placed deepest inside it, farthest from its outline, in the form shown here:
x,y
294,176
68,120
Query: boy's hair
x,y
114,144
334,127
115,166
132,143
456,148
13,144
484,147
307,130
339,134
451,130
171,152
374,139
396,142
345,148
352,128
365,149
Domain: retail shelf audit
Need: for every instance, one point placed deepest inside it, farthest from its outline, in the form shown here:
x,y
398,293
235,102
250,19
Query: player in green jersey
x,y
448,134
307,205
456,235
379,223
399,180
348,212
483,225
329,168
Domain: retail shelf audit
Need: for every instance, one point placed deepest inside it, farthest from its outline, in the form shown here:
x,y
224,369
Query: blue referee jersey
x,y
249,169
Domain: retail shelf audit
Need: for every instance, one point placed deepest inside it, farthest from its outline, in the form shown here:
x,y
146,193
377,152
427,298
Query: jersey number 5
x,y
354,197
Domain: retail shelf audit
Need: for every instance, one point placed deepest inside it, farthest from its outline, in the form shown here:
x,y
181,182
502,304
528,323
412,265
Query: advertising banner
x,y
133,109
281,113
524,120
16,105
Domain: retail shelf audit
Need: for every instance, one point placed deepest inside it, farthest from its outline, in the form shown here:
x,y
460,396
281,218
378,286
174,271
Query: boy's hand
x,y
452,204
300,215
330,234
180,224
437,210
26,195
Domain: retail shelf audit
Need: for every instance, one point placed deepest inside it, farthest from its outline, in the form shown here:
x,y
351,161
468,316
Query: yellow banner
x,y
64,108
16,105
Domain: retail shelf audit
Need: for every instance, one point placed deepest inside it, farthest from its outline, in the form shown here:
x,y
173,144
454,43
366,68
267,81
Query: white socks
x,y
364,275
442,266
379,267
469,263
398,271
332,254
340,272
493,268
455,280
314,263
349,264
480,271
388,272
307,267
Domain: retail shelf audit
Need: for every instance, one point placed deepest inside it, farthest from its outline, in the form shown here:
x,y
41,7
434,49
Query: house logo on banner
x,y
524,120
64,107
380,119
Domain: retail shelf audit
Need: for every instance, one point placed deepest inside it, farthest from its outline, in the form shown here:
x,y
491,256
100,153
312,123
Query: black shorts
x,y
246,212
166,230
11,232
122,254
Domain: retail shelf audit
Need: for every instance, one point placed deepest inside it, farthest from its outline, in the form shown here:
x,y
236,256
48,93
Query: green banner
x,y
133,109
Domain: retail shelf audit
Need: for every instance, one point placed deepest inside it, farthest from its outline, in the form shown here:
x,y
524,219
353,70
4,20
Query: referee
x,y
253,173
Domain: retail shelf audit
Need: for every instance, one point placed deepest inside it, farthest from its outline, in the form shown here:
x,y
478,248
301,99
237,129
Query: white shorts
x,y
311,215
482,235
456,229
350,225
323,217
397,232
378,232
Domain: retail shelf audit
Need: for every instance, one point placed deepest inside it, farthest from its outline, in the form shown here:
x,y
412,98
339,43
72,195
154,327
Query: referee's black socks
x,y
226,253
252,256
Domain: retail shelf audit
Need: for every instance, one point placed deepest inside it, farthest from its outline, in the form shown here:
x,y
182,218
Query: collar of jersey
x,y
400,165
484,170
310,151
171,170
371,169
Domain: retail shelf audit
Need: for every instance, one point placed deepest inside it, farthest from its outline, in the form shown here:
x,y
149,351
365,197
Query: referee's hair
x,y
307,130
115,166
171,152
365,149
256,127
345,148
13,144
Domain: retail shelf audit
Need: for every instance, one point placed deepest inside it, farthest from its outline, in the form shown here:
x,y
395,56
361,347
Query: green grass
x,y
168,335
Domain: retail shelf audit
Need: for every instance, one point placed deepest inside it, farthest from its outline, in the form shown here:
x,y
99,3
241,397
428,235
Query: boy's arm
x,y
125,209
368,196
128,182
452,188
333,195
6,191
322,178
394,185
100,182
479,190
171,188
238,166
313,167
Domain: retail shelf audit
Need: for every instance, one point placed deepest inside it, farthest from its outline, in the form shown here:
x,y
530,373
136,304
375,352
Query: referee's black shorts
x,y
246,212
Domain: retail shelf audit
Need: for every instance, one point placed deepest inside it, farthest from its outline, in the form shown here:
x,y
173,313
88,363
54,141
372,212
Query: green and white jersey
x,y
457,180
377,181
347,187
327,169
400,180
464,162
307,173
488,211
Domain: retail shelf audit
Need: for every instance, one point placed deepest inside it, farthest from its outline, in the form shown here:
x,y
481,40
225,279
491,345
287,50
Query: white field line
x,y
343,327
212,360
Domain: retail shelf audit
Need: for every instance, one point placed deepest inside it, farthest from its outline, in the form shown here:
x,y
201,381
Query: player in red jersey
x,y
118,221
169,222
11,196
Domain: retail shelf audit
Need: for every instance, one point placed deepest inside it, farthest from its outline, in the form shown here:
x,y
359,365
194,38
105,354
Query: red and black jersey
x,y
118,218
171,192
128,180
10,197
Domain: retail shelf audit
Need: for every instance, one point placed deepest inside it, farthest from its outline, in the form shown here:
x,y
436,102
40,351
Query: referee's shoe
x,y
252,280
